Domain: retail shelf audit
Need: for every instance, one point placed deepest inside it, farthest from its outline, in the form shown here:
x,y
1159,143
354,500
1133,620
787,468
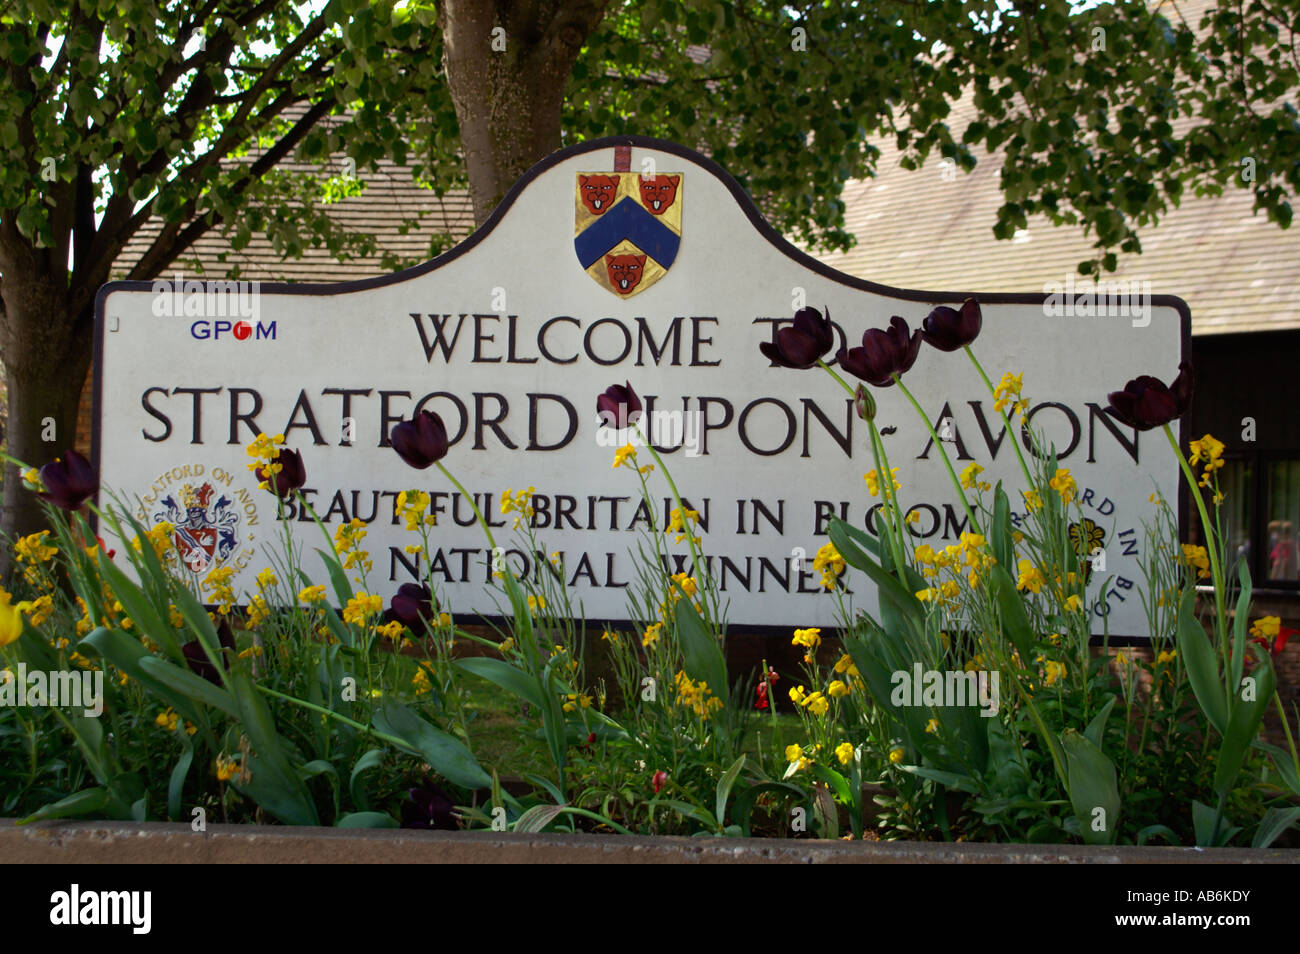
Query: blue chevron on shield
x,y
628,228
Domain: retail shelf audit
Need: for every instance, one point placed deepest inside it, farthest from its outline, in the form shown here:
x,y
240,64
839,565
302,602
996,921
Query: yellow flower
x,y
361,607
421,681
679,522
837,689
576,700
167,719
1052,672
1032,500
1197,558
32,477
412,506
1266,627
895,755
687,583
844,752
11,622
609,636
624,454
969,475
227,768
808,638
1167,656
1063,484
873,481
829,564
536,603
793,753
42,609
250,651
797,695
33,548
845,665
266,579
390,630
1031,578
258,611
932,727
651,635
816,704
1007,391
190,727
1073,604
312,594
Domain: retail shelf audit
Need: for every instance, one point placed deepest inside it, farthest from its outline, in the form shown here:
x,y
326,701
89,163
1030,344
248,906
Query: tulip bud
x,y
865,404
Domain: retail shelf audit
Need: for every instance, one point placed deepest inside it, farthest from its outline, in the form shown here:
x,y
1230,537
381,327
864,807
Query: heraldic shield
x,y
628,227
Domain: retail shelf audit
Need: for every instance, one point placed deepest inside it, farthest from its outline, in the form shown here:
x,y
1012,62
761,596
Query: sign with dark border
x,y
620,260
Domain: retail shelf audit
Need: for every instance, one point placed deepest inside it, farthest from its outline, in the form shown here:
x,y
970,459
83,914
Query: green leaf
x,y
371,759
367,820
538,817
1000,532
1202,665
338,578
1244,723
1274,822
508,677
89,802
275,785
1097,727
1015,621
724,788
695,812
176,783
1241,619
892,593
184,682
962,783
703,655
1152,831
1092,786
444,752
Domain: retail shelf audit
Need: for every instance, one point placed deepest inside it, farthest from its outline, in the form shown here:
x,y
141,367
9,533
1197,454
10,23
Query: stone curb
x,y
96,842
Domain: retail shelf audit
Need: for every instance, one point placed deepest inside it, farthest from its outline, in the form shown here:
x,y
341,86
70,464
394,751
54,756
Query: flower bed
x,y
970,708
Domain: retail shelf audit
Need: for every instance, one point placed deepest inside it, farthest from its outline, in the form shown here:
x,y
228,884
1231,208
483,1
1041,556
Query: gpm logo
x,y
241,330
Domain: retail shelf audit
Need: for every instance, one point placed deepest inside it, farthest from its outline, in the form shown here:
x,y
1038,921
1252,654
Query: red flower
x,y
761,689
658,779
1279,641
107,552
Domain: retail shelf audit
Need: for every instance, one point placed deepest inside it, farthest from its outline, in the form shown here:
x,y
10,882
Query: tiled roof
x,y
1236,270
389,198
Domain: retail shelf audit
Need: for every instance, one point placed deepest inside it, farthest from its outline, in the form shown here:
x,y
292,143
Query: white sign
x,y
619,260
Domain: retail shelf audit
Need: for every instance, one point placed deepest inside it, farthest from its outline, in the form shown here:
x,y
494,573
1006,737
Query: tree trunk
x,y
507,65
45,369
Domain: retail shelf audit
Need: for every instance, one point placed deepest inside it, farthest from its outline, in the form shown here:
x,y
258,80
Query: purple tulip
x,y
619,406
1146,402
429,807
883,354
412,603
197,658
803,343
949,329
291,477
69,481
421,441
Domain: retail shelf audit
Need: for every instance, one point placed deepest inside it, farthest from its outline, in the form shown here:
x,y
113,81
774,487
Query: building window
x,y
1261,518
1282,519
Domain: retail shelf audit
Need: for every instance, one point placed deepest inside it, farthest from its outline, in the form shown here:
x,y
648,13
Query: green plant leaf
x,y
187,684
1092,787
703,655
90,802
1244,723
275,785
176,782
1096,729
724,788
339,581
1015,621
1153,831
367,820
1202,665
1274,822
371,759
508,677
444,752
